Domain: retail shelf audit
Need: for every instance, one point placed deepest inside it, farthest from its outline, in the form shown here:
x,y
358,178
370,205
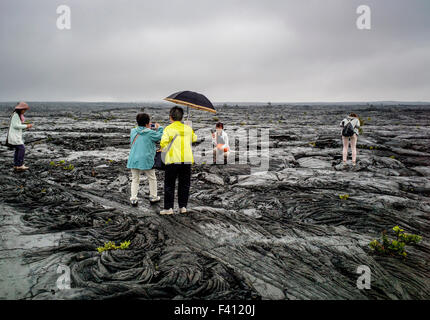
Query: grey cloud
x,y
252,50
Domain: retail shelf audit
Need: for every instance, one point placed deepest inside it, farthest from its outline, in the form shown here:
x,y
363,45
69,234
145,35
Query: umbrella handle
x,y
188,113
188,117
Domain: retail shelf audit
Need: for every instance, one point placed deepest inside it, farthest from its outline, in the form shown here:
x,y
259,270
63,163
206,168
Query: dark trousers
x,y
182,172
18,159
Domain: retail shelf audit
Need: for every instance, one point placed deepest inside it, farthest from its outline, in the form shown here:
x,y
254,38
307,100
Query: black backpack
x,y
348,130
7,144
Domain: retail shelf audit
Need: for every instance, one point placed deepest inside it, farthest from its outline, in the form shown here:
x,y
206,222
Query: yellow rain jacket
x,y
180,151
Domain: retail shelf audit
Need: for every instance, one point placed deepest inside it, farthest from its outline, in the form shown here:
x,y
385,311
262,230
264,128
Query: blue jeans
x,y
18,159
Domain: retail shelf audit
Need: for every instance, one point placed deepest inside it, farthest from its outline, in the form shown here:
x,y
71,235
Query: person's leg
x,y
220,156
184,181
345,141
152,178
19,153
15,156
354,148
135,180
169,186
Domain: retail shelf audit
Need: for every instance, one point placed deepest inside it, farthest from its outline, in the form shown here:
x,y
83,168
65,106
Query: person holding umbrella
x,y
14,137
176,142
177,139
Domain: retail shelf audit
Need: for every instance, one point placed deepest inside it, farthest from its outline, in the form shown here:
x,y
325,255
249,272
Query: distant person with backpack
x,y
14,136
350,134
142,153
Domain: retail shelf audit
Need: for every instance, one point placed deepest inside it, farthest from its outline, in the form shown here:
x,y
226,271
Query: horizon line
x,y
221,102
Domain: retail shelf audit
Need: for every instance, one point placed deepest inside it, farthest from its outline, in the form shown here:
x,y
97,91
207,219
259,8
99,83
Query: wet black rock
x,y
282,234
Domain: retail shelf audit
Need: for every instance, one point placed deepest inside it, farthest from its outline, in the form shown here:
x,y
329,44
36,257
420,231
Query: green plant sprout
x,y
394,247
69,167
111,246
344,196
62,163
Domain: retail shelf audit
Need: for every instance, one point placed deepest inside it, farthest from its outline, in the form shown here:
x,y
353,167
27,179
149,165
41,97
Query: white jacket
x,y
224,137
354,121
15,130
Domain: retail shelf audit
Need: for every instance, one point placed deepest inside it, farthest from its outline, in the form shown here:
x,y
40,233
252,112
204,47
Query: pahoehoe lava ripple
x,y
285,234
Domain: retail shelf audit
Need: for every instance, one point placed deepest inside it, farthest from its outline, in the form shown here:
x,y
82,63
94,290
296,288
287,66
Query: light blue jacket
x,y
143,150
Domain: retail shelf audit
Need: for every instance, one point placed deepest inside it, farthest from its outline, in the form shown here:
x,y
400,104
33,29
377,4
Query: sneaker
x,y
21,168
354,164
167,211
133,203
154,199
183,210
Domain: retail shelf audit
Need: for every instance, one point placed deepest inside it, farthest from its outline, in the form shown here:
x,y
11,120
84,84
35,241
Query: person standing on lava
x,y
14,137
220,142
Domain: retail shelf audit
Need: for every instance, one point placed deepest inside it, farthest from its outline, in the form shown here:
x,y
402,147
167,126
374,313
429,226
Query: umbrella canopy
x,y
192,99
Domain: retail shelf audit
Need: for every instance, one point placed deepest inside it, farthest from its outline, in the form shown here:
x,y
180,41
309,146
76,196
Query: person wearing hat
x,y
14,137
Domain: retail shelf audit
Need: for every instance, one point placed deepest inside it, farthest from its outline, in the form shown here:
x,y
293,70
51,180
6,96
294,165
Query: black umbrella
x,y
192,99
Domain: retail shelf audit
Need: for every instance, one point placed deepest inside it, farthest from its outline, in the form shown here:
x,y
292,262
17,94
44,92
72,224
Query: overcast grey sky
x,y
230,50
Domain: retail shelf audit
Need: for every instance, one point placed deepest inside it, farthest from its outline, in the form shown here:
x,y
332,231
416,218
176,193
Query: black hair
x,y
219,125
17,110
142,119
176,113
